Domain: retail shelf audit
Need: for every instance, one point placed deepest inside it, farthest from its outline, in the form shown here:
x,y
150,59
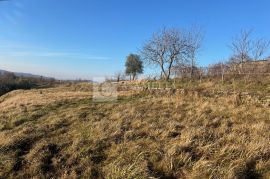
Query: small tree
x,y
119,76
195,38
134,66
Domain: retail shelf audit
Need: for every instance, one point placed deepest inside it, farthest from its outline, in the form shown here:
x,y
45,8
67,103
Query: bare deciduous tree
x,y
170,47
163,49
195,38
119,76
260,46
242,47
246,49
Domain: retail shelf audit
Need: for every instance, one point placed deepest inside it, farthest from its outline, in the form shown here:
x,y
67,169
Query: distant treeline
x,y
10,82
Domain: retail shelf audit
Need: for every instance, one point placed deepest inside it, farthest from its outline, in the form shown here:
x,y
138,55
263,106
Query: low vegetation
x,y
10,82
200,133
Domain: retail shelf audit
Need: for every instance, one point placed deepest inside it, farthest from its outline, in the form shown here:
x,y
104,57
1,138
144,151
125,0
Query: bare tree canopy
x,y
260,46
242,46
195,39
245,48
169,47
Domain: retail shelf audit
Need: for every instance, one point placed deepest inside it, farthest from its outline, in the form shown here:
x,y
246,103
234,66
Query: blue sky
x,y
91,38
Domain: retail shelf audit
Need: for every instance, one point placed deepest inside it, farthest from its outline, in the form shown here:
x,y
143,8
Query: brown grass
x,y
61,133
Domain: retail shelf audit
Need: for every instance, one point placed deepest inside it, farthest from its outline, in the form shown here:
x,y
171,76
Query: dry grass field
x,y
62,133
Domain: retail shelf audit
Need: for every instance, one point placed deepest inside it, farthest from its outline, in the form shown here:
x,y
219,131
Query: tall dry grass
x,y
62,133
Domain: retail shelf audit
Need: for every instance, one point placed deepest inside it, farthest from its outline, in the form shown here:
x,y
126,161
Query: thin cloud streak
x,y
14,15
20,50
53,54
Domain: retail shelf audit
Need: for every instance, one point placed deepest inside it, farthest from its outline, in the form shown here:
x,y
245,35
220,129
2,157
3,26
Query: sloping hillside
x,y
62,133
20,74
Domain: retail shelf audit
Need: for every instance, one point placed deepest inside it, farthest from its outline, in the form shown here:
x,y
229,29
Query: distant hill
x,y
2,72
10,81
20,74
29,75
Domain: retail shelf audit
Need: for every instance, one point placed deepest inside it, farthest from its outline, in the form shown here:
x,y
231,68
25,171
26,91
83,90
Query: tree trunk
x,y
133,76
192,67
169,70
165,75
168,76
